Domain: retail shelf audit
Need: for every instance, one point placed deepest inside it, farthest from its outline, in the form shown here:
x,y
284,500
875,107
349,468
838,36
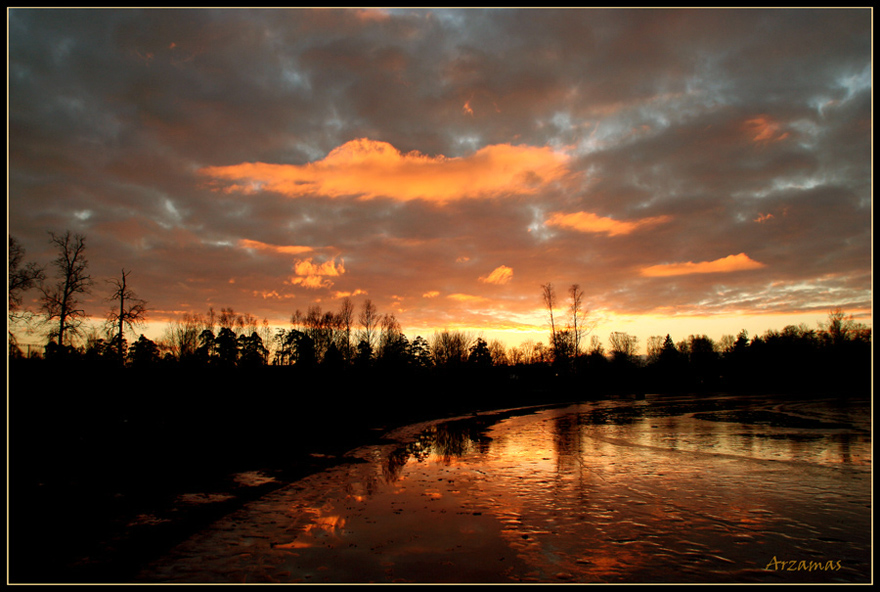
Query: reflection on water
x,y
442,442
662,490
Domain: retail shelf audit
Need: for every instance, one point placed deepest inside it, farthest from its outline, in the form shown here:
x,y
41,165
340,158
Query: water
x,y
664,490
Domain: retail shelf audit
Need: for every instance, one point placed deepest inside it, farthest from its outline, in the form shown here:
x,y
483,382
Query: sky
x,y
693,171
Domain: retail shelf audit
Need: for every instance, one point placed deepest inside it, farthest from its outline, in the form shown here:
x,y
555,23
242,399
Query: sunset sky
x,y
695,171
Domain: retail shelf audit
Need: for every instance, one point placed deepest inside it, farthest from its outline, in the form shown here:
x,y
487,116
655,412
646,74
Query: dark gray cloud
x,y
744,131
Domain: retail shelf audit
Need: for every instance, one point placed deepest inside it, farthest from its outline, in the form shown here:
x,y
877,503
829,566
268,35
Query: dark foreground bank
x,y
110,470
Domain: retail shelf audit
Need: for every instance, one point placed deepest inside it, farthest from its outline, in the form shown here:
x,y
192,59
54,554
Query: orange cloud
x,y
730,263
466,298
762,129
274,294
306,267
500,275
370,169
431,294
357,292
285,249
587,222
763,217
310,275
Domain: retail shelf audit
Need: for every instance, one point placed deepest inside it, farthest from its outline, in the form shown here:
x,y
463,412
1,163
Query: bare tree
x,y
450,348
182,336
265,334
131,313
345,316
22,276
576,295
389,333
527,351
498,353
226,320
623,345
60,300
549,296
369,320
840,328
655,347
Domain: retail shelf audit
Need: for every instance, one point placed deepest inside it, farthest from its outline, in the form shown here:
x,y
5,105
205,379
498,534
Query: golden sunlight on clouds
x,y
500,275
311,275
431,294
358,292
284,249
587,222
272,295
739,262
370,169
467,298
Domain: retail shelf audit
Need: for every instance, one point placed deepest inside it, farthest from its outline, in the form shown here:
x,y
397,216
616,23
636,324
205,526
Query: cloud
x,y
500,275
273,294
730,263
358,292
588,222
282,249
311,275
468,298
369,169
763,129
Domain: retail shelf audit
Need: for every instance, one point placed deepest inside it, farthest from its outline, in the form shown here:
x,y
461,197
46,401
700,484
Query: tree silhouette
x,y
60,300
346,322
579,326
252,352
364,357
703,357
333,359
207,350
840,328
623,345
548,294
22,276
227,348
450,348
420,352
143,353
131,313
498,353
182,336
479,354
369,321
304,355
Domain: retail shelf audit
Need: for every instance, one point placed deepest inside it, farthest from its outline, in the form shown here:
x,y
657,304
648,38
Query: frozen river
x,y
724,489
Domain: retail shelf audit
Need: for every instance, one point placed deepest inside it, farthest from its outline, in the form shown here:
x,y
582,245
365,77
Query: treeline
x,y
355,339
833,357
